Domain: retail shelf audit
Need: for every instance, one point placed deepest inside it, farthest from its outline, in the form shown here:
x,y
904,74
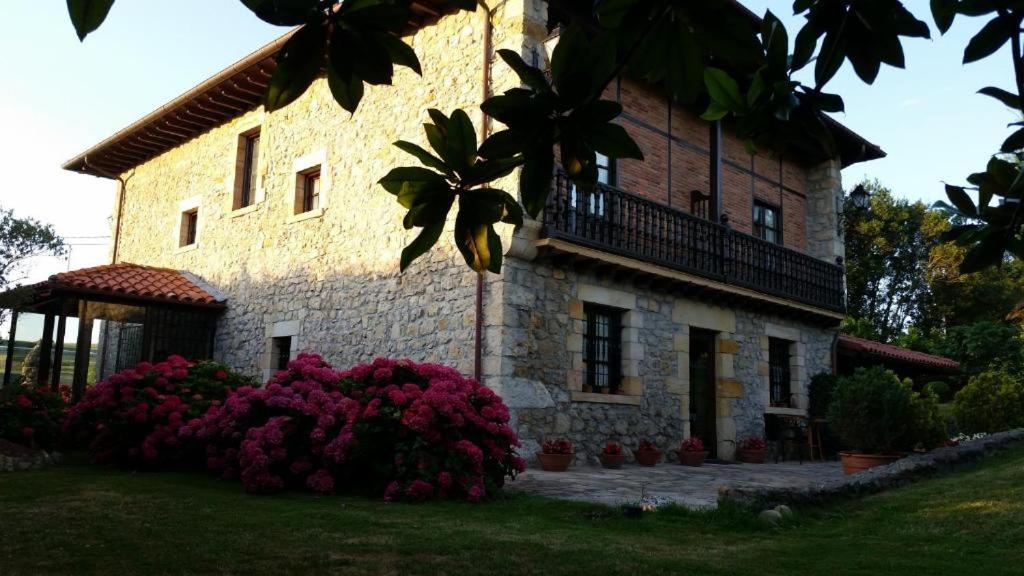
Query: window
x,y
189,227
700,204
307,191
605,170
602,349
778,371
246,175
594,201
280,352
767,222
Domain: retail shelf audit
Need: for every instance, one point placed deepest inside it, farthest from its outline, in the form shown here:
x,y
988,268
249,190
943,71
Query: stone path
x,y
670,482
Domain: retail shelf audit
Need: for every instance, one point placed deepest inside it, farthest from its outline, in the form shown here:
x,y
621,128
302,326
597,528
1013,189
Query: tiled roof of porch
x,y
669,482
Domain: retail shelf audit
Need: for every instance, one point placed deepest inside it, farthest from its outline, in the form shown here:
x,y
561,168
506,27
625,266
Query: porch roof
x,y
122,282
881,351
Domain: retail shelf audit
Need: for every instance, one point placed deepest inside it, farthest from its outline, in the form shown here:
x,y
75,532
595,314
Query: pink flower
x,y
476,494
419,490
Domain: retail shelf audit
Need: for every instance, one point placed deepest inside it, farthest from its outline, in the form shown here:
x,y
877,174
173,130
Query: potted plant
x,y
872,413
647,453
612,456
555,455
691,452
751,450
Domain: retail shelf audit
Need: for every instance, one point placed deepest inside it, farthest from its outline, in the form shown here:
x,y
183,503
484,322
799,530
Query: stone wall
x,y
535,360
329,279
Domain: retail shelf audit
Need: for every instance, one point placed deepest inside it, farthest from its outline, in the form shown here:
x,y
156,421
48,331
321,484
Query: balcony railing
x,y
616,221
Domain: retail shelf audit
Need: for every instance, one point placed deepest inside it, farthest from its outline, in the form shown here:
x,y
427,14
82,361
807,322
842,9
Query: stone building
x,y
693,293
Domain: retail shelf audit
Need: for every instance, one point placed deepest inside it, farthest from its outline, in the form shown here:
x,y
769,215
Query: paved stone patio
x,y
694,487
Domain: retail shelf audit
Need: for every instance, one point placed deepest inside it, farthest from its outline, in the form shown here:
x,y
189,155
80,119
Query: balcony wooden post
x,y
45,349
11,336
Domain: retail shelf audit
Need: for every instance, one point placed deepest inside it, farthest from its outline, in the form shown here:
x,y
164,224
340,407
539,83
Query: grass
x,y
87,520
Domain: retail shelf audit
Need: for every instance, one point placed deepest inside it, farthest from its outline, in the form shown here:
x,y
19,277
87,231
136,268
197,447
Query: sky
x,y
59,96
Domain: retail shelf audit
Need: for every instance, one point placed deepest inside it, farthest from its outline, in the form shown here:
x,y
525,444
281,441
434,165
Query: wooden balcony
x,y
614,221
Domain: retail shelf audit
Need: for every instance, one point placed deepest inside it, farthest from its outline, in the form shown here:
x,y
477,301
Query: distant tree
x,y
20,240
989,295
982,346
887,253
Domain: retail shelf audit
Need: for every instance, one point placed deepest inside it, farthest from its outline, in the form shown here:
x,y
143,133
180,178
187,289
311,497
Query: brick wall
x,y
676,145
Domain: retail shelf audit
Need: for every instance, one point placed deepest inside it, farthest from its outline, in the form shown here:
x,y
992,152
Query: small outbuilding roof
x,y
889,352
125,282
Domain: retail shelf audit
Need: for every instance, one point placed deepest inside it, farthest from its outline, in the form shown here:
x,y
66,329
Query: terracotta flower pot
x,y
691,458
750,456
554,462
854,462
647,457
612,461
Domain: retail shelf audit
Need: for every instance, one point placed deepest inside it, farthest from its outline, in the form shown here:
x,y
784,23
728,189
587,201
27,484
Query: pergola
x,y
147,314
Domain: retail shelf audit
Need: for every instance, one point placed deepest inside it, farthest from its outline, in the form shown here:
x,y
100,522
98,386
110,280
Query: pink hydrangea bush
x,y
426,431
31,416
295,432
133,417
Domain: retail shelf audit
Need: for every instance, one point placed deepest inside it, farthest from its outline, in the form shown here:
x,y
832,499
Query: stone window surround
x,y
301,167
632,386
286,328
797,367
187,205
243,128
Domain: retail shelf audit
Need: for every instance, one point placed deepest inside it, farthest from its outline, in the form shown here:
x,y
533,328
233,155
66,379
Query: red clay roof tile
x,y
134,280
892,352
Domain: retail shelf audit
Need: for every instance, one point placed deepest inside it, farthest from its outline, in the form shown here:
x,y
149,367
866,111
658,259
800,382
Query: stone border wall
x,y
899,473
29,462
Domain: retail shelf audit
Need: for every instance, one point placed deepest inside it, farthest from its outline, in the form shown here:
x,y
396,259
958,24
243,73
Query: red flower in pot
x,y
692,452
751,450
647,453
555,455
612,456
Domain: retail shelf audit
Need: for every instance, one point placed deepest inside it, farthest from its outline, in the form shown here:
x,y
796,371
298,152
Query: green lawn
x,y
82,519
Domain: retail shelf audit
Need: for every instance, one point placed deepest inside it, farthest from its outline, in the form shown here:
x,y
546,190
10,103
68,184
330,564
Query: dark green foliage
x,y
982,346
992,401
926,427
871,412
87,15
939,389
819,393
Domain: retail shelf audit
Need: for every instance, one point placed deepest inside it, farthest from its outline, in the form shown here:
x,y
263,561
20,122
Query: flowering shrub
x,y
557,447
692,444
961,437
133,417
411,431
612,449
31,416
647,446
425,430
295,432
751,443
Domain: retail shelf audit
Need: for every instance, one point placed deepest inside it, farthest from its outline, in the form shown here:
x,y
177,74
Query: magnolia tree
x,y
708,53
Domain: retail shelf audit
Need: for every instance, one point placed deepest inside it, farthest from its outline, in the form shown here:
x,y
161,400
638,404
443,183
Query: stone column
x,y
824,199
